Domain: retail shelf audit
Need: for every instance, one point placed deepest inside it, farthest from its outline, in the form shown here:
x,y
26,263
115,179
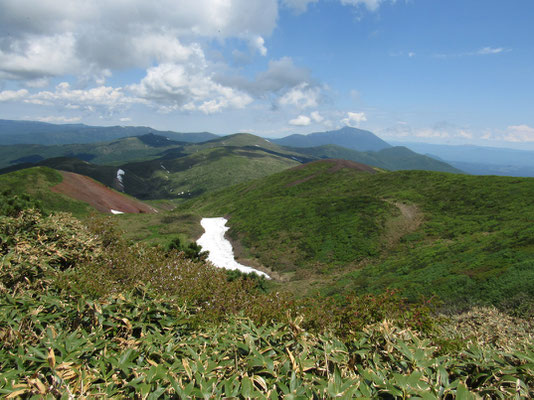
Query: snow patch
x,y
165,169
120,176
221,252
116,212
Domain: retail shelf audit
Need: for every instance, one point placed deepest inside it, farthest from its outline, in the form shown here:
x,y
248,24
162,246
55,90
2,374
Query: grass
x,y
84,313
470,241
37,182
201,172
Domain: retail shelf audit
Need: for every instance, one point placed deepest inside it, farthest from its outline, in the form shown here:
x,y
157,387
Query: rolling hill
x,y
67,191
182,171
119,151
393,158
335,227
34,132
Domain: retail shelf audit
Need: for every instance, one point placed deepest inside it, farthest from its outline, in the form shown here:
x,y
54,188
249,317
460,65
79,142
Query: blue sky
x,y
455,71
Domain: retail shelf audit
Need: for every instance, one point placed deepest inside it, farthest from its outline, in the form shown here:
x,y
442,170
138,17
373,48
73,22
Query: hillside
x,y
33,132
123,150
350,138
175,170
205,170
331,227
65,191
392,158
158,325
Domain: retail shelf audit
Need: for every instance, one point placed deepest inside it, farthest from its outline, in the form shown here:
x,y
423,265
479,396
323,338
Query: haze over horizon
x,y
450,72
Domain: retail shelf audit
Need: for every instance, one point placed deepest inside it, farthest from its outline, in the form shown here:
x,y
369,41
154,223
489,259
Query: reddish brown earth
x,y
99,196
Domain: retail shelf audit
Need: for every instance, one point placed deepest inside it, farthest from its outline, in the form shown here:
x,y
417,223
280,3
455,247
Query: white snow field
x,y
221,252
116,212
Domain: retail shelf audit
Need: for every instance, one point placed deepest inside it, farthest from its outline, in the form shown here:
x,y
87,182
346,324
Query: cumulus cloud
x,y
519,133
302,96
354,119
45,39
284,83
13,95
58,119
316,117
258,43
301,120
177,87
371,5
53,38
64,95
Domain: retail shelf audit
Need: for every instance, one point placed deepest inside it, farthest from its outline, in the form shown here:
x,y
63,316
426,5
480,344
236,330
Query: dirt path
x,y
99,196
409,220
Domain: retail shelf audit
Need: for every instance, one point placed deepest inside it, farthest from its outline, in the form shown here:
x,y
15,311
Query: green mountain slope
x,y
37,182
33,132
185,171
330,226
150,323
119,151
206,170
393,158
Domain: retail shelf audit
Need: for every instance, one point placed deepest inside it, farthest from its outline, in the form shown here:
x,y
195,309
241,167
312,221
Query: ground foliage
x,y
467,239
106,318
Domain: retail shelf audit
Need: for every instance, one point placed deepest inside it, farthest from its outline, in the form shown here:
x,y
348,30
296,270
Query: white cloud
x,y
13,95
519,133
354,119
56,37
36,57
465,134
490,50
99,96
485,51
372,5
58,119
258,43
431,133
301,120
302,96
316,117
178,87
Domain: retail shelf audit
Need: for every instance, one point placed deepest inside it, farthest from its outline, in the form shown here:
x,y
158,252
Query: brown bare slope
x,y
99,196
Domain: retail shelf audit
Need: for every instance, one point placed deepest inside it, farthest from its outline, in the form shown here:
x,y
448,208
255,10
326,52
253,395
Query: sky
x,y
436,71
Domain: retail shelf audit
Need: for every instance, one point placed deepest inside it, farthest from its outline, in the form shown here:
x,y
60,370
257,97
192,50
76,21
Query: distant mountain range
x,y
391,158
350,138
34,132
479,160
155,167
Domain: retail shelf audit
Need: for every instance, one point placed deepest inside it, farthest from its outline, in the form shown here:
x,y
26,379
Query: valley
x,y
337,247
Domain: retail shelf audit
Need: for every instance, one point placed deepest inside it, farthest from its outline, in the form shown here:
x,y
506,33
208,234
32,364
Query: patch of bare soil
x,y
409,220
97,195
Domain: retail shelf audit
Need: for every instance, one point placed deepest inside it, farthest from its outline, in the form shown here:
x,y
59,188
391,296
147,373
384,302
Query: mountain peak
x,y
348,137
